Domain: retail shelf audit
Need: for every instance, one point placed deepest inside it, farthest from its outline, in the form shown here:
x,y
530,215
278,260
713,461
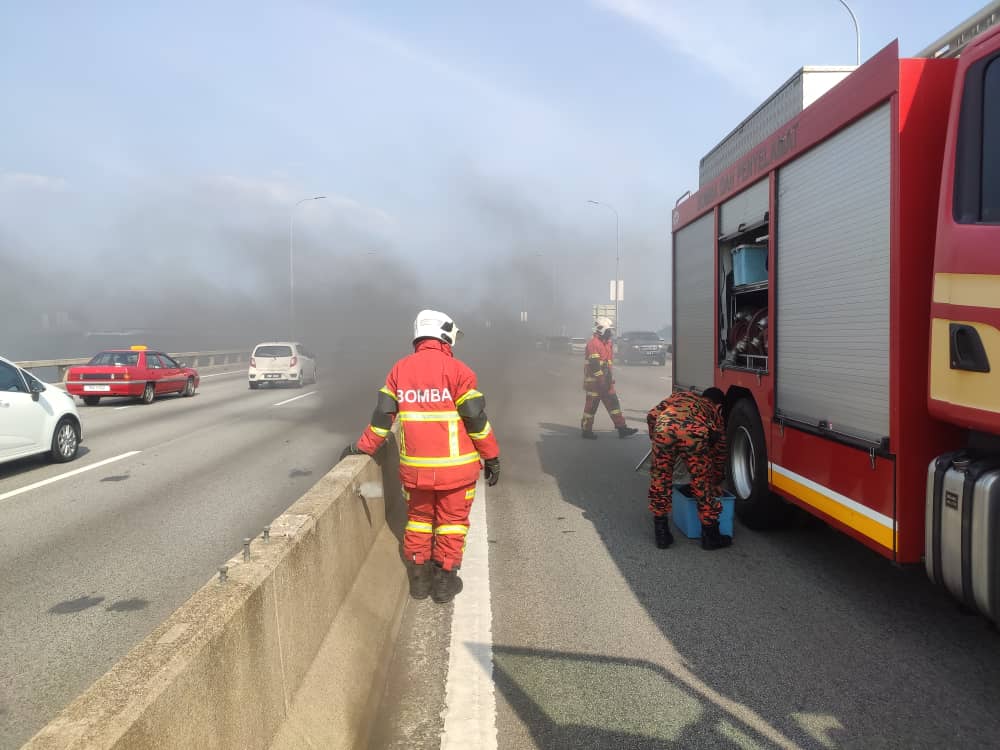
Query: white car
x,y
281,363
35,417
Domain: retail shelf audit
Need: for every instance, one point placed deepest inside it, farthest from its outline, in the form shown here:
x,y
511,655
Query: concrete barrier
x,y
224,670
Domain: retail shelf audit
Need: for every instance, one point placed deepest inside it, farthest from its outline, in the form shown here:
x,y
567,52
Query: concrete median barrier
x,y
318,603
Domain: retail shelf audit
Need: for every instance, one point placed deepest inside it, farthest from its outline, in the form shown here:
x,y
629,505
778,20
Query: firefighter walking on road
x,y
599,383
444,434
689,427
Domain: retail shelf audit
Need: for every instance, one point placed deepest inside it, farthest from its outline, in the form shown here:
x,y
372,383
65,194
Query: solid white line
x,y
288,401
217,374
663,378
470,718
67,475
847,502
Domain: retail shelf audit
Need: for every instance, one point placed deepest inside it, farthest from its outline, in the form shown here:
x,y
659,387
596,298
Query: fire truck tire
x,y
756,506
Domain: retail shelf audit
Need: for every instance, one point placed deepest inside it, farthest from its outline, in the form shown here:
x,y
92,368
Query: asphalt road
x,y
800,638
91,563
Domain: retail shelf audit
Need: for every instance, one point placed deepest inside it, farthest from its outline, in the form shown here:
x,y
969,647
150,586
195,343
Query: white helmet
x,y
602,324
431,324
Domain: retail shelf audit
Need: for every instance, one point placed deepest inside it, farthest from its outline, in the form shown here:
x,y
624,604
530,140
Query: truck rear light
x,y
295,361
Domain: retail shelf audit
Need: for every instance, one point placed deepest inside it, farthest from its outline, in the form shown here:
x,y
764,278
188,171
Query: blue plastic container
x,y
685,513
749,264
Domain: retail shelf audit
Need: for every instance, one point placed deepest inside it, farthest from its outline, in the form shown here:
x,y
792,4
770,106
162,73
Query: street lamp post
x,y
857,29
618,255
291,263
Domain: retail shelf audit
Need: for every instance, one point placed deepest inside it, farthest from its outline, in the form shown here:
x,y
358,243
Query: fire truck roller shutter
x,y
833,268
694,328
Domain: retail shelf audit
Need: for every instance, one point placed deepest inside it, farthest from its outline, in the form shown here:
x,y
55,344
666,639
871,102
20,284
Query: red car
x,y
137,373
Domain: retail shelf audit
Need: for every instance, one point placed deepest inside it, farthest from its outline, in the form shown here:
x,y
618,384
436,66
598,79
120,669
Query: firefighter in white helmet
x,y
445,435
599,383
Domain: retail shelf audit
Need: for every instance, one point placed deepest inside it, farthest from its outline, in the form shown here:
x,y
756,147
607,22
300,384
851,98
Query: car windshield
x,y
273,351
115,359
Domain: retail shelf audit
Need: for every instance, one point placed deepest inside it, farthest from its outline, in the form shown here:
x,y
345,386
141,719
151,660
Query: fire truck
x,y
837,275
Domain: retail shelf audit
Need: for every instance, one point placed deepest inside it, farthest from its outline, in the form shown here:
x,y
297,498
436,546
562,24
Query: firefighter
x,y
689,427
445,433
599,383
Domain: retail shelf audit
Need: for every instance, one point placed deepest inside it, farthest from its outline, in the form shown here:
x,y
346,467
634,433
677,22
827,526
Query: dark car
x,y
642,346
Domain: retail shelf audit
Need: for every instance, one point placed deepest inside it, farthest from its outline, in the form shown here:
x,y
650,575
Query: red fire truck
x,y
849,232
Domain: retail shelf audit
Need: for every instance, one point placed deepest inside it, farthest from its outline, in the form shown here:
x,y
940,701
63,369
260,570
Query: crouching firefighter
x,y
689,427
599,383
444,434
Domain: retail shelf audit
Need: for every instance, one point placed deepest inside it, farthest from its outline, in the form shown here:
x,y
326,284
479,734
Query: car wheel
x,y
91,400
148,394
65,441
254,386
300,381
756,506
188,388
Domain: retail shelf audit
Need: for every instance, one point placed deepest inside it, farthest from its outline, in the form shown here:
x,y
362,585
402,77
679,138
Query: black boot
x,y
712,539
446,585
624,432
588,435
661,529
421,579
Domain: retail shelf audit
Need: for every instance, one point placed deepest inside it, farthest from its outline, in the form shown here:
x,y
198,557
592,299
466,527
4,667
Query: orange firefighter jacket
x,y
444,431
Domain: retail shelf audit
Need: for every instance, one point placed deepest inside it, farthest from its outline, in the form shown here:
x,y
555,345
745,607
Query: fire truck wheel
x,y
756,506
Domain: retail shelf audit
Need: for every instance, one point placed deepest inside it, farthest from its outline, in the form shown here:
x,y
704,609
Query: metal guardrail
x,y
188,359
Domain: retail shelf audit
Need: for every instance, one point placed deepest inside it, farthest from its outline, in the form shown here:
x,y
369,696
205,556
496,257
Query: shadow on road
x,y
823,640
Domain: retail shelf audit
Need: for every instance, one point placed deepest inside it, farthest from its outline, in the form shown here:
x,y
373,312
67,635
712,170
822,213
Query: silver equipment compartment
x,y
962,533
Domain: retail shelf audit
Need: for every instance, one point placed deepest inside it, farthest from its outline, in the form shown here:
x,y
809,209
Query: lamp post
x,y
857,29
291,263
618,255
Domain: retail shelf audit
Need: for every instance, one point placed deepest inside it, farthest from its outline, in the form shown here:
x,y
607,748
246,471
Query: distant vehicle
x,y
282,363
642,346
137,372
577,345
35,417
556,344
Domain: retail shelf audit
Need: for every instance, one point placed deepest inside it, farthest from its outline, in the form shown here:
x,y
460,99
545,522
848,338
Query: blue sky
x,y
449,137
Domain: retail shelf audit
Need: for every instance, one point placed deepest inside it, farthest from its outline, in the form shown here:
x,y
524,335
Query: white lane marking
x,y
470,702
119,408
288,401
663,378
67,475
217,374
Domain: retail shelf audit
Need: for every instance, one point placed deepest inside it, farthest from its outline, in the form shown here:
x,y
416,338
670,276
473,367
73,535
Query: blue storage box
x,y
749,264
685,513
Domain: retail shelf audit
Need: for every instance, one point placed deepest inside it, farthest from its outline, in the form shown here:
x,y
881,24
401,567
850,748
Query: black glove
x,y
351,450
492,471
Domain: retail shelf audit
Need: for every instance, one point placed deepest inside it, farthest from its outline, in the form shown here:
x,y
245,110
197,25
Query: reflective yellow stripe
x,y
598,373
428,416
453,437
616,411
595,356
473,393
452,529
593,393
388,393
420,527
421,461
480,435
378,430
969,289
470,494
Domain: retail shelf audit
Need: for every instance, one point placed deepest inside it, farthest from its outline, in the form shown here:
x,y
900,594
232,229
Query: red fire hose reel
x,y
748,336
